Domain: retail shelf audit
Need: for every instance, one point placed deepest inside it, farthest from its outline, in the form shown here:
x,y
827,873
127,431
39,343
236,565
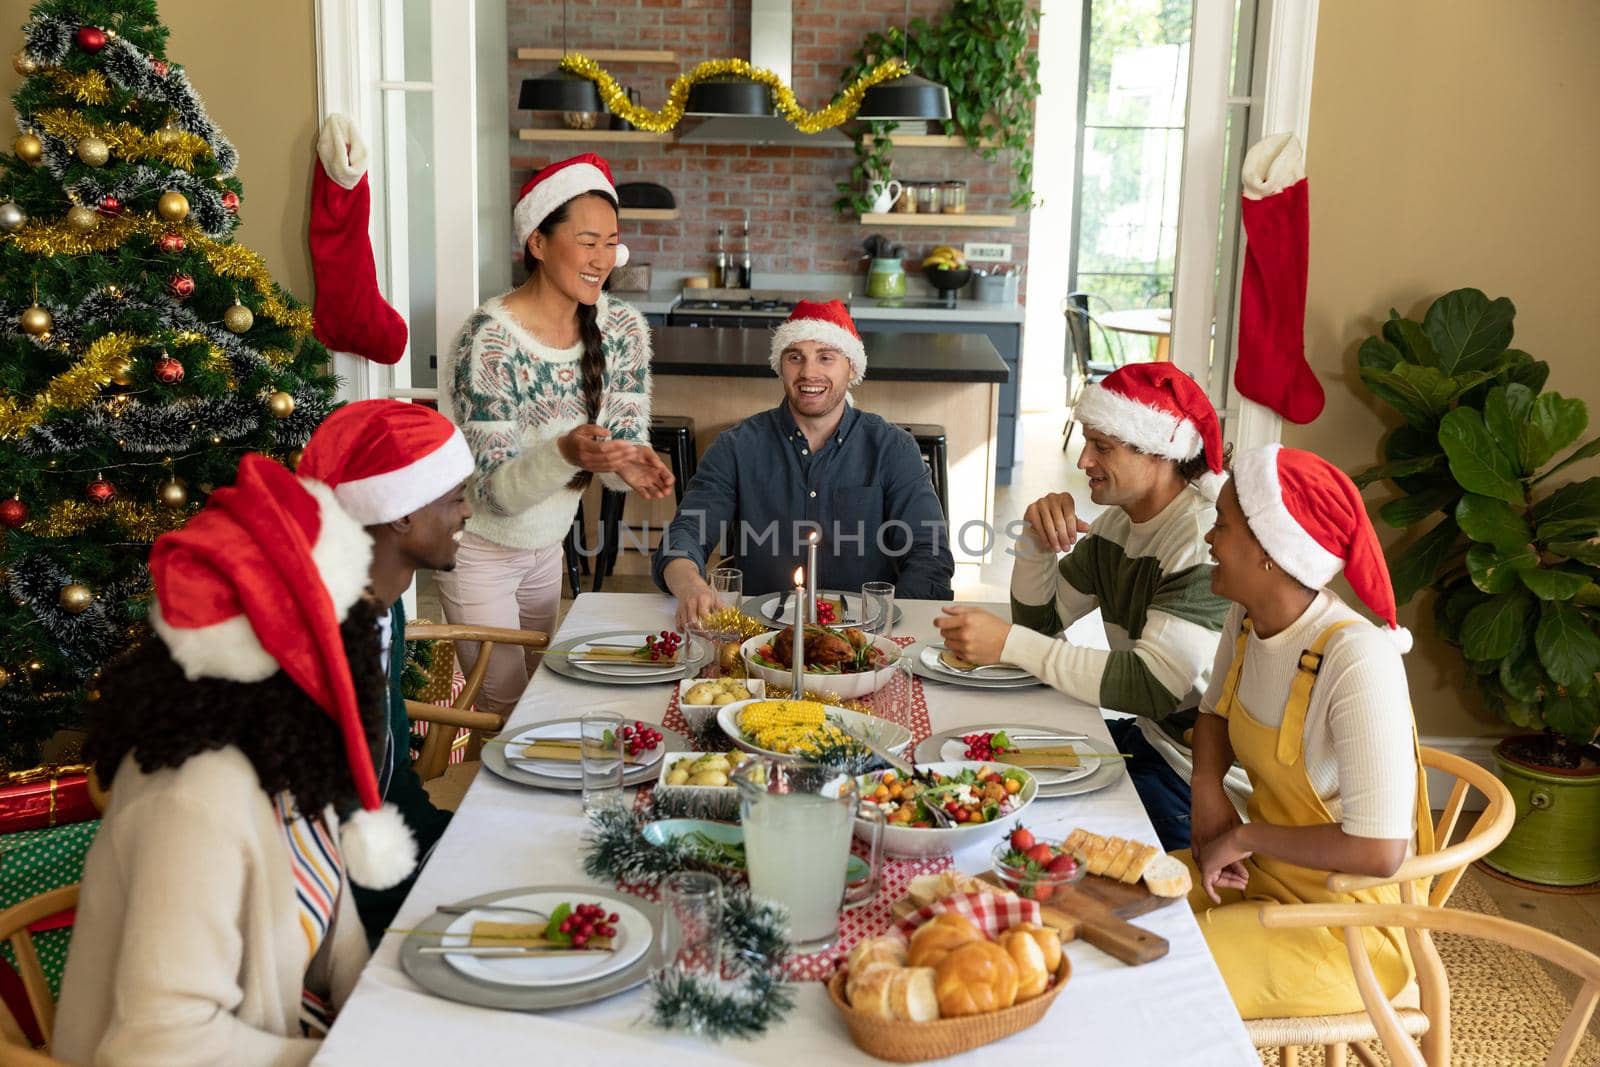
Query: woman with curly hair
x,y
215,924
551,385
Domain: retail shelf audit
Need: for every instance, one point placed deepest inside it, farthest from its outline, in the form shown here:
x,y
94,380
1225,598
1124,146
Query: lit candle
x,y
797,678
811,576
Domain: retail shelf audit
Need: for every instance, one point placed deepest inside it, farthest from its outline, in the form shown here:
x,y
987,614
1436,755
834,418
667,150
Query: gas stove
x,y
758,308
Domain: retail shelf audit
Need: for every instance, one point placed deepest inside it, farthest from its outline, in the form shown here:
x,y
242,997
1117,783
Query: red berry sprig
x,y
589,920
663,646
983,747
827,615
639,737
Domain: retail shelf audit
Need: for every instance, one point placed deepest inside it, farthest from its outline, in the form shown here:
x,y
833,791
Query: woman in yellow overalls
x,y
1311,699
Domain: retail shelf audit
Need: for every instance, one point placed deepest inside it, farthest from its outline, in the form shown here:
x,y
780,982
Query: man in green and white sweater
x,y
1153,454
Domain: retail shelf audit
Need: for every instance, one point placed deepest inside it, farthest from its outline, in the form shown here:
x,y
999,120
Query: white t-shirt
x,y
1358,747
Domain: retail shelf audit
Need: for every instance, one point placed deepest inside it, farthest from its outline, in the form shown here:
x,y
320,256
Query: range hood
x,y
771,46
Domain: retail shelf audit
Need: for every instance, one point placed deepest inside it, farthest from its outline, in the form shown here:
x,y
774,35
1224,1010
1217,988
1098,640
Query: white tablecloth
x,y
1173,1011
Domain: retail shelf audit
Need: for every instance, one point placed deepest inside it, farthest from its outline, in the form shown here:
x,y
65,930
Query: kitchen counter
x,y
923,309
900,356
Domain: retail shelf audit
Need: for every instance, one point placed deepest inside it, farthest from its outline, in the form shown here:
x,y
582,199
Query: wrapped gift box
x,y
42,797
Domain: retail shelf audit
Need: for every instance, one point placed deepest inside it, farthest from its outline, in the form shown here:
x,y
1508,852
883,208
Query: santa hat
x,y
827,324
1158,409
258,582
1309,517
554,186
385,459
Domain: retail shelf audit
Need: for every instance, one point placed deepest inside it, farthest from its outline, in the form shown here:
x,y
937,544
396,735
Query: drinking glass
x,y
728,584
877,608
693,902
600,749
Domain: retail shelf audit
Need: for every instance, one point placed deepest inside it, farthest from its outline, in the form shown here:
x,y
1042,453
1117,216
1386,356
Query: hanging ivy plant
x,y
983,52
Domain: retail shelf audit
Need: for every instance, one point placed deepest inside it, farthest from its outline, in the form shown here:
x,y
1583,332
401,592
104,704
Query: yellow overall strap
x,y
1291,733
1230,685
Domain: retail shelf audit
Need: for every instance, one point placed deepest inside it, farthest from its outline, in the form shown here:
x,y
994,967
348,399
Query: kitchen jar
x,y
928,198
953,197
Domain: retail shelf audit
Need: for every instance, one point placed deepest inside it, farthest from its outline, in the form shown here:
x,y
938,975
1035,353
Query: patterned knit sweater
x,y
513,396
1152,583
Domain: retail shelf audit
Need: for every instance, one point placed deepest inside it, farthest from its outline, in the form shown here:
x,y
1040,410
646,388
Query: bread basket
x,y
902,1042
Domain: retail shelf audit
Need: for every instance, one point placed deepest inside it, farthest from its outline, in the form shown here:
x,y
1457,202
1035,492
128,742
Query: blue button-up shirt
x,y
760,490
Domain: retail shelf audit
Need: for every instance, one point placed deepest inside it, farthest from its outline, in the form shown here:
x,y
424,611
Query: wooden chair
x,y
1420,920
460,714
14,923
1340,1034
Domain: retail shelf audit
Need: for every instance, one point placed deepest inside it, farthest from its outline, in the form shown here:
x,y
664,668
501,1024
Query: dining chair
x,y
1163,299
446,721
1439,871
1081,368
14,923
1422,920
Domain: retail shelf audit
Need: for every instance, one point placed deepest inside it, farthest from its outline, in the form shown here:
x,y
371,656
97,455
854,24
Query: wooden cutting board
x,y
1097,910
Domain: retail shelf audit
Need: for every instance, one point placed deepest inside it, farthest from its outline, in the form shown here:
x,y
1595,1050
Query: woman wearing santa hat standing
x,y
1309,697
550,383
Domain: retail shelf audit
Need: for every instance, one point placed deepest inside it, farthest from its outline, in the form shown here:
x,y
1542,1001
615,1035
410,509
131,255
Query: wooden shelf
x,y
648,214
560,134
952,220
602,55
929,140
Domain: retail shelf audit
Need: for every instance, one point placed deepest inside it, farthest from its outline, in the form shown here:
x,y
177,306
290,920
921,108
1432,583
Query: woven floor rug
x,y
1504,1009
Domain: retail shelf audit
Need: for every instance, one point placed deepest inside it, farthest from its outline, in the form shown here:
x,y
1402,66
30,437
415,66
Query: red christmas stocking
x,y
1272,366
351,314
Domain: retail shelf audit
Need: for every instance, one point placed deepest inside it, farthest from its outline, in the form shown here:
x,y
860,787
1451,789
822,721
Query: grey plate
x,y
438,977
494,759
913,658
700,653
766,608
928,752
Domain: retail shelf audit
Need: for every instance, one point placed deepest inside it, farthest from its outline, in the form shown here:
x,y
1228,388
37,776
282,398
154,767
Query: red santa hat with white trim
x,y
385,459
554,186
259,581
1310,518
1161,411
827,324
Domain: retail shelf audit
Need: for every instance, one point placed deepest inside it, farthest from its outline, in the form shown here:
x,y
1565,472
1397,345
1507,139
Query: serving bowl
x,y
921,841
851,686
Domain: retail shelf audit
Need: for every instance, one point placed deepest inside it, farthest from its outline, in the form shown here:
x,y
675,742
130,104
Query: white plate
x,y
768,607
617,670
565,731
930,660
890,735
634,934
956,749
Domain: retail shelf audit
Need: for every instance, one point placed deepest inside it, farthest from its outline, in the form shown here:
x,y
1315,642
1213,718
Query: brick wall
x,y
788,191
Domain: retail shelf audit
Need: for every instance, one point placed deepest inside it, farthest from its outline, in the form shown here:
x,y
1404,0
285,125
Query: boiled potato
x,y
704,693
709,778
715,762
678,776
722,699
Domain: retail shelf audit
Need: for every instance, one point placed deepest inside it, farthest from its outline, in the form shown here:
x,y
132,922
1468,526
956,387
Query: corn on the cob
x,y
787,725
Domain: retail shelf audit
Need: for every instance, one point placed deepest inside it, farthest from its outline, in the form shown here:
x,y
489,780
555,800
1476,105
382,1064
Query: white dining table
x,y
1172,1011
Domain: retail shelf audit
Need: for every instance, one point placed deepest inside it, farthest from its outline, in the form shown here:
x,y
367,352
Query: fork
x,y
462,909
976,668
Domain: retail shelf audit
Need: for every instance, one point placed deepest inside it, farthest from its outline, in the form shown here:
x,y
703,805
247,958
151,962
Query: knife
x,y
511,951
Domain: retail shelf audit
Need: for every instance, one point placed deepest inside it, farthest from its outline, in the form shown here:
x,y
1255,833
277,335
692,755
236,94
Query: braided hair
x,y
594,358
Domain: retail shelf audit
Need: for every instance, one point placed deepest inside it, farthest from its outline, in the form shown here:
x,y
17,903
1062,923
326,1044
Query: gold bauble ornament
x,y
122,374
75,599
83,219
5,676
173,206
24,64
281,405
169,133
238,318
294,459
36,320
174,495
12,217
29,149
94,151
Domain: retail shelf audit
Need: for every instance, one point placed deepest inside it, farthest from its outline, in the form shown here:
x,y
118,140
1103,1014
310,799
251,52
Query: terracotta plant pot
x,y
1556,838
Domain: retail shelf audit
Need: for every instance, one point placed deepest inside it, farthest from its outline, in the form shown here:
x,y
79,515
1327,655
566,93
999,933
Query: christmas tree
x,y
142,351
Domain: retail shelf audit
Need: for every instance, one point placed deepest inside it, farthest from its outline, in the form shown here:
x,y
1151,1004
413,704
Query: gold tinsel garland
x,y
72,388
139,521
177,148
230,260
89,87
842,109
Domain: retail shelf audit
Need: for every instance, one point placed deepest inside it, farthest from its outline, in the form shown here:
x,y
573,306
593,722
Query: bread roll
x,y
1167,877
869,993
1033,977
1049,941
936,937
874,950
976,977
913,995
1141,860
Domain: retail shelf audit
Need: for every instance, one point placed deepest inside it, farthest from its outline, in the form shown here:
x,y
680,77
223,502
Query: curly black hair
x,y
1194,469
148,707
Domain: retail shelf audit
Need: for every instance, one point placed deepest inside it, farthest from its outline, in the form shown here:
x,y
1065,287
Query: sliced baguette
x,y
1101,858
1075,839
1119,863
1167,877
913,996
1140,861
870,992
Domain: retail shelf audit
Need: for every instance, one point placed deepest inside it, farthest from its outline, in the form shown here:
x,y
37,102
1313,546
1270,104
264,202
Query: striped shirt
x,y
318,878
1152,583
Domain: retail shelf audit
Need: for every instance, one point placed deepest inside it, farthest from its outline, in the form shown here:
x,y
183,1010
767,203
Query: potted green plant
x,y
1512,556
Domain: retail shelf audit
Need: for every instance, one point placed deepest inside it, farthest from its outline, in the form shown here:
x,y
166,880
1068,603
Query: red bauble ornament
x,y
91,38
13,513
100,490
181,286
173,242
168,371
230,201
159,66
110,205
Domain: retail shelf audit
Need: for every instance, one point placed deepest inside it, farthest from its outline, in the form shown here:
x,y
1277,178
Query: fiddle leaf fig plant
x,y
1515,560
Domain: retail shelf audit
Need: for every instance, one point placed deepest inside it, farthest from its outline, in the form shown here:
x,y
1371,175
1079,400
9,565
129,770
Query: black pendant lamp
x,y
906,99
728,95
557,90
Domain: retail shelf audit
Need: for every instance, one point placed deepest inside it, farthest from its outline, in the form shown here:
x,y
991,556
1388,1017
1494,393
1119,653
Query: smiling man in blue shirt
x,y
814,462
